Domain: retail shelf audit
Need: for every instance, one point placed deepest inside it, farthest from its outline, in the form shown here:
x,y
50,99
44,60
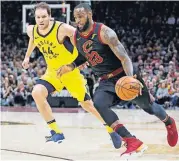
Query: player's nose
x,y
41,20
77,21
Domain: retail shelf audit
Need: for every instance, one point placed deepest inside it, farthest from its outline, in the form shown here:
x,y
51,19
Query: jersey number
x,y
49,53
94,58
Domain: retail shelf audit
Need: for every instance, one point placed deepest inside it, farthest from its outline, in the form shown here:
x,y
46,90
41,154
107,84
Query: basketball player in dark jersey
x,y
108,59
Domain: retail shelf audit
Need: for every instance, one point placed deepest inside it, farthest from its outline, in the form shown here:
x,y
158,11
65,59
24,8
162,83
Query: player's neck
x,y
45,31
89,29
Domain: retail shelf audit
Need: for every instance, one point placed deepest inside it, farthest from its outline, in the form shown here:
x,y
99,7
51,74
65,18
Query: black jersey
x,y
99,55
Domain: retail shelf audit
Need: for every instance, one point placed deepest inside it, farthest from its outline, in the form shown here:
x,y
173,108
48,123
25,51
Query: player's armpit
x,y
109,37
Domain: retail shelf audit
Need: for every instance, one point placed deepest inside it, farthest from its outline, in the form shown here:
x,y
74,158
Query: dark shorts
x,y
106,91
50,88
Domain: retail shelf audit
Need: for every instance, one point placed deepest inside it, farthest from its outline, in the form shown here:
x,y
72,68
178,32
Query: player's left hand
x,y
65,69
141,85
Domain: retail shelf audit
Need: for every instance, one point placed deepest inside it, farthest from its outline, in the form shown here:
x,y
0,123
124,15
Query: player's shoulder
x,y
105,28
106,34
58,22
61,24
30,30
64,27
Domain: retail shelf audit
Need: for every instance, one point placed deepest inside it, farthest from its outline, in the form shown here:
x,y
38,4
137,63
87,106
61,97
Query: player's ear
x,y
90,14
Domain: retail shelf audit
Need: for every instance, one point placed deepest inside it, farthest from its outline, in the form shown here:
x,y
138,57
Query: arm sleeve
x,y
80,60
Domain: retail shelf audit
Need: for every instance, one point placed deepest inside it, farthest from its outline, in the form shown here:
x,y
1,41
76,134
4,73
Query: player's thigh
x,y
45,84
51,78
75,84
103,99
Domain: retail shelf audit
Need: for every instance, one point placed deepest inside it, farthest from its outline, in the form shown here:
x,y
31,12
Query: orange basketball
x,y
127,88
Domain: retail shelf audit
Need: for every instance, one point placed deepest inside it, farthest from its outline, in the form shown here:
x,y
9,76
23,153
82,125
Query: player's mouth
x,y
80,26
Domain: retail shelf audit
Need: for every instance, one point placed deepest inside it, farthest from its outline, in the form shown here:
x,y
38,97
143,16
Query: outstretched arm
x,y
31,45
109,37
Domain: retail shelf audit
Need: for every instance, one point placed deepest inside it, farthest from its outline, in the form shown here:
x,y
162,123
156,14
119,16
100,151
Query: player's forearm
x,y
121,53
127,66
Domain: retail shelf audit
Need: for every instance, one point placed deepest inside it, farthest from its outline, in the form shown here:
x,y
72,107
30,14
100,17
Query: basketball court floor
x,y
23,137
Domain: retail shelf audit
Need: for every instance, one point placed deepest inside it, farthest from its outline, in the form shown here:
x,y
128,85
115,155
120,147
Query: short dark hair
x,y
43,5
85,6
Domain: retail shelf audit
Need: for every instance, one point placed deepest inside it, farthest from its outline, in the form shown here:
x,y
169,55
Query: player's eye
x,y
80,17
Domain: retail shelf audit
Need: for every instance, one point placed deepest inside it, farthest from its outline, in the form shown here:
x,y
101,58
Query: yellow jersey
x,y
55,54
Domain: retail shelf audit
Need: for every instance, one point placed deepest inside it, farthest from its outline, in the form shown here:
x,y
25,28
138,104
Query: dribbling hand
x,y
141,85
25,63
83,66
65,69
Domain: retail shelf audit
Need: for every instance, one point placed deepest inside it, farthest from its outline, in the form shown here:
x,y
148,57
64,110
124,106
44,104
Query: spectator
x,y
162,94
150,39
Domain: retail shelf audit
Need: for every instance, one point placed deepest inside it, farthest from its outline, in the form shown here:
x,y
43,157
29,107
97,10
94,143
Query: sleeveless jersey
x,y
100,57
55,54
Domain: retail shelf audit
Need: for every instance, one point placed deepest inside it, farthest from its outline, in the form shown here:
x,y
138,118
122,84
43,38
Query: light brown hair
x,y
43,5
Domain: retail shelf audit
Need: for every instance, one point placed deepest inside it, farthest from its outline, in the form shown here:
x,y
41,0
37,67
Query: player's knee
x,y
149,111
87,105
153,109
86,102
39,90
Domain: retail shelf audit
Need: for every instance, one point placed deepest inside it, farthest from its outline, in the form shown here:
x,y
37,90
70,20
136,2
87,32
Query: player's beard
x,y
85,27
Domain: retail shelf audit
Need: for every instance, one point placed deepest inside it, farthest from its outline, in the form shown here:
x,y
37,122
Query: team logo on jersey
x,y
93,36
78,38
92,56
87,46
46,42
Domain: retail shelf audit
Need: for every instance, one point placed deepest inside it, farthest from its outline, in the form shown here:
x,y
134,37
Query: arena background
x,y
149,30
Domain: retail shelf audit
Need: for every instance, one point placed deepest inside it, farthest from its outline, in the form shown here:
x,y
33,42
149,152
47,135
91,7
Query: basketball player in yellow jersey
x,y
51,39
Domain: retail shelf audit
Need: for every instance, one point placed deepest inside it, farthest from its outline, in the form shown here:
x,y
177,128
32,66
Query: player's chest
x,y
50,49
92,50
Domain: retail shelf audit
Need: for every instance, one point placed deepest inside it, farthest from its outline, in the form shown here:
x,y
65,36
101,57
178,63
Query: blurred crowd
x,y
148,30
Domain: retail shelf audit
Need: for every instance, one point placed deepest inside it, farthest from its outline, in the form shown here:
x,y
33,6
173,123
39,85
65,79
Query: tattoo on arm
x,y
111,39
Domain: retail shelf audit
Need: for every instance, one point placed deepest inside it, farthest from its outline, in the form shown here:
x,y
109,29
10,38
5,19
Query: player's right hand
x,y
83,66
25,63
141,85
65,69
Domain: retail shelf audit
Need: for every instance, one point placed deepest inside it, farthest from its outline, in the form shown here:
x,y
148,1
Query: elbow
x,y
126,60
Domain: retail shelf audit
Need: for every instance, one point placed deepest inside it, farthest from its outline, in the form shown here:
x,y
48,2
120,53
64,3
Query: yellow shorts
x,y
73,81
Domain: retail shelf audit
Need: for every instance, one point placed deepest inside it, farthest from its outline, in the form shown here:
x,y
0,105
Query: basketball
x,y
127,88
